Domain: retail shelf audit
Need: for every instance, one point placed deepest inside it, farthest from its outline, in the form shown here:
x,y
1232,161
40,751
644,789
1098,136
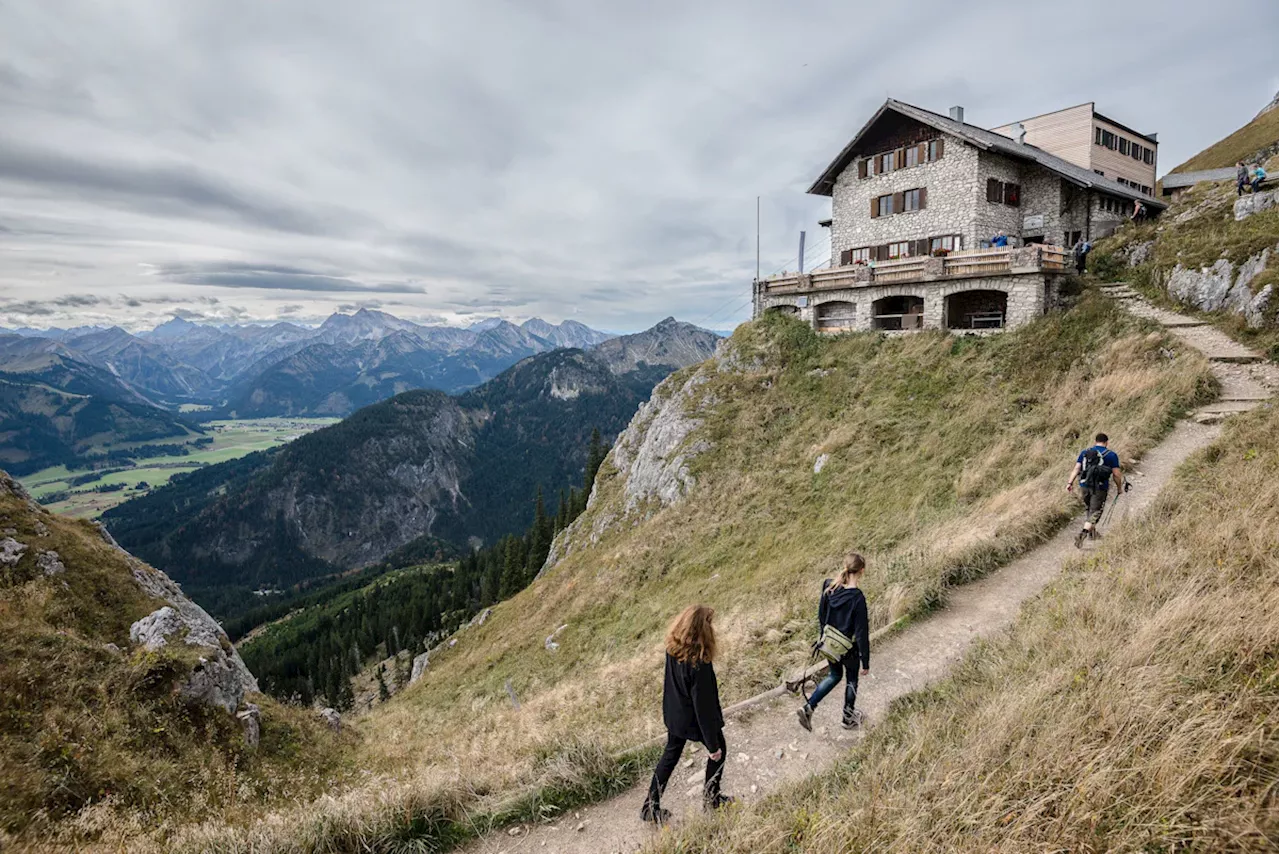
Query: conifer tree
x,y
383,693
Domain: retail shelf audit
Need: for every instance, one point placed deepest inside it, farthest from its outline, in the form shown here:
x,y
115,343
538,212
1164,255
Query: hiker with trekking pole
x,y
690,709
843,641
1096,467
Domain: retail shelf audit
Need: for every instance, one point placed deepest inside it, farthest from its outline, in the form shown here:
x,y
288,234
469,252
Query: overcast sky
x,y
598,161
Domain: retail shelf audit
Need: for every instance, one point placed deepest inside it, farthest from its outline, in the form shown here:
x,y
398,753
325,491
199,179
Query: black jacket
x,y
846,609
691,703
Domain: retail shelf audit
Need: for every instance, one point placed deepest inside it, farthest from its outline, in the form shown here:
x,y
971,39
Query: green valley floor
x,y
767,747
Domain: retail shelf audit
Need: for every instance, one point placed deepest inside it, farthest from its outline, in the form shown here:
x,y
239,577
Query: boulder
x,y
478,619
11,551
420,662
250,718
49,563
820,463
332,718
1248,205
1206,288
1261,308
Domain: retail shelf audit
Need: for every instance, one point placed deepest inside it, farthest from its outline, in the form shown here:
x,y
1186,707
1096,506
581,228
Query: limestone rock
x,y
479,619
49,563
1137,253
420,662
820,463
1248,205
251,722
1261,307
550,642
332,718
653,452
1222,287
11,551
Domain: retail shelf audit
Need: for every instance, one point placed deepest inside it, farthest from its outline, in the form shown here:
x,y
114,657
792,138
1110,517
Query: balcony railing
x,y
955,265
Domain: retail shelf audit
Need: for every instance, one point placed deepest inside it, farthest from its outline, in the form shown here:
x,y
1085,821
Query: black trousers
x,y
667,764
1095,501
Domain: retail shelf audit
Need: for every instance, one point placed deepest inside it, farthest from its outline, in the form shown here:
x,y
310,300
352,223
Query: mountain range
x,y
459,468
285,369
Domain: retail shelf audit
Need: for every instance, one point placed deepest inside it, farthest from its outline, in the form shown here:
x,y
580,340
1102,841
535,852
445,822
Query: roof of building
x,y
1185,179
985,140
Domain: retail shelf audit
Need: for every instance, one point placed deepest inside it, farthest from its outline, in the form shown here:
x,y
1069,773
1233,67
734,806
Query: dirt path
x,y
766,744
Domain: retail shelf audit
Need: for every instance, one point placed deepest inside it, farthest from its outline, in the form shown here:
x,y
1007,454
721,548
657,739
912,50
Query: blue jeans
x,y
832,679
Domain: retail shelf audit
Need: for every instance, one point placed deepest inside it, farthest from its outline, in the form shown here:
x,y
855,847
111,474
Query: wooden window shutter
x,y
862,168
877,163
900,158
922,246
846,257
923,153
875,207
994,190
897,203
924,194
939,157
882,252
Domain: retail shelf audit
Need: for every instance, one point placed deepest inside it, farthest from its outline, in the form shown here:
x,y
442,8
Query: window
x,y
1097,136
902,249
1100,172
1144,188
935,149
912,156
882,206
886,162
863,255
1148,156
912,199
1012,195
864,168
994,191
1136,154
1124,146
949,242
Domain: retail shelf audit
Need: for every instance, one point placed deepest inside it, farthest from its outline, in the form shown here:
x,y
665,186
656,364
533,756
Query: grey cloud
x,y
276,277
153,188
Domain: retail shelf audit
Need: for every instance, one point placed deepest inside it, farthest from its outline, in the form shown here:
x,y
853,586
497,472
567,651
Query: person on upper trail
x,y
1096,467
1081,250
1242,177
1001,239
690,710
1259,175
844,639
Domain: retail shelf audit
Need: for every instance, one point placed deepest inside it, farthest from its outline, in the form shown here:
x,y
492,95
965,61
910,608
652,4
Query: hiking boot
x,y
805,714
718,802
651,813
852,719
1080,537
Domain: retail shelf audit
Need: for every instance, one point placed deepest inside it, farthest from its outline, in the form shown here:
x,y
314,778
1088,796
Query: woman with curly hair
x,y
690,709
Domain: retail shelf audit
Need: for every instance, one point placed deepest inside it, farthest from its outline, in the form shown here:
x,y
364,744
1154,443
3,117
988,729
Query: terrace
x,y
971,263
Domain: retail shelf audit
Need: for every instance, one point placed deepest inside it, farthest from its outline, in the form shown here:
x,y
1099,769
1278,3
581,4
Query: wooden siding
x,y
1116,165
1066,133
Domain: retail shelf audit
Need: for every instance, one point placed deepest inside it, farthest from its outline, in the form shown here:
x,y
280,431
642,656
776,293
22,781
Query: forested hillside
x,y
463,470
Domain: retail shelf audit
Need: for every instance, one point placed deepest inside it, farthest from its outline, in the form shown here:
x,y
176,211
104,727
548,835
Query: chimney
x,y
1019,133
957,114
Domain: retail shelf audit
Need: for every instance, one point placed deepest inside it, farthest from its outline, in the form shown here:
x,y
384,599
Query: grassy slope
x,y
946,457
1241,145
1208,232
1132,707
98,737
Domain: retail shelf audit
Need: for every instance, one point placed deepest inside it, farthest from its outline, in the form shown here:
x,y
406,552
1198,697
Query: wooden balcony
x,y
970,263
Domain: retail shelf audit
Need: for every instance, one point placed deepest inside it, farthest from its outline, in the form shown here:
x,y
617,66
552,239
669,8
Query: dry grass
x,y
1131,708
95,742
946,457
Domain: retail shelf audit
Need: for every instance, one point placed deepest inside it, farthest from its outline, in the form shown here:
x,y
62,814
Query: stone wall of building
x,y
1029,295
1103,222
949,201
1041,202
993,217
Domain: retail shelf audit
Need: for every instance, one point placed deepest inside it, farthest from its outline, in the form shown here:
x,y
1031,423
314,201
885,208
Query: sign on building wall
x,y
1033,221
802,302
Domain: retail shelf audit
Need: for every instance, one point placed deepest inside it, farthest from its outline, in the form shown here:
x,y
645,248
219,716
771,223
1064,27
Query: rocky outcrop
x,y
1253,203
332,718
50,564
671,344
11,551
1223,287
654,452
420,663
220,677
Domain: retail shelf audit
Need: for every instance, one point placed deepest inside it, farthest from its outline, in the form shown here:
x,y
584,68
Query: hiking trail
x,y
766,745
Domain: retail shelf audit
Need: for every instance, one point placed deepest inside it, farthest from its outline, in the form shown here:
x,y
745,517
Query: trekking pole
x,y
1112,511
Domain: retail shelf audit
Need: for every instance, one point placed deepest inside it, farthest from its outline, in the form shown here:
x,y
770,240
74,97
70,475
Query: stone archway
x,y
897,313
977,309
835,316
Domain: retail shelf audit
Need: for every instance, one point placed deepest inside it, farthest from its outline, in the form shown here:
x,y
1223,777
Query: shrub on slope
x,y
1132,708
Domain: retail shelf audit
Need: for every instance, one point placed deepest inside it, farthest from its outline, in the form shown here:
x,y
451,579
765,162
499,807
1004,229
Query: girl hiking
x,y
690,709
842,622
